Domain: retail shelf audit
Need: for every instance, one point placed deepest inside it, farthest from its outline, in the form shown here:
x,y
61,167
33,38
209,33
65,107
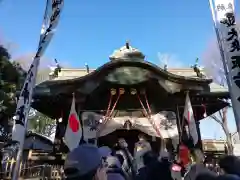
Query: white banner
x,y
228,37
25,98
165,121
236,144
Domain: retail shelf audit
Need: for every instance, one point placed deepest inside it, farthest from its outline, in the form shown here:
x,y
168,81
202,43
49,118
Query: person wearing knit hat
x,y
85,162
105,151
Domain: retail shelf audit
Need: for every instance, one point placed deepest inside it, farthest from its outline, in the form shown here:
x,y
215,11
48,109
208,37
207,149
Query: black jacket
x,y
196,170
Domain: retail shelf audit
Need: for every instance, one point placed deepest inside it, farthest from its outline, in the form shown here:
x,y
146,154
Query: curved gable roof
x,y
110,66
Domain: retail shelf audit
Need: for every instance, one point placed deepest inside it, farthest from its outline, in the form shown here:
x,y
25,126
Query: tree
x,y
42,124
221,119
169,60
12,77
213,65
43,70
214,68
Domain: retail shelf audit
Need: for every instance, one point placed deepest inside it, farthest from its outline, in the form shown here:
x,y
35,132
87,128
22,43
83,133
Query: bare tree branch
x,y
220,114
213,64
169,60
222,121
44,67
214,117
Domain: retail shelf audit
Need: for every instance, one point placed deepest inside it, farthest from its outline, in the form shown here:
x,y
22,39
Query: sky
x,y
89,31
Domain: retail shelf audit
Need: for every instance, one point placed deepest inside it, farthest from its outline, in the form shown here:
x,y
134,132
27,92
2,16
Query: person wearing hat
x,y
141,147
85,162
114,169
230,165
105,151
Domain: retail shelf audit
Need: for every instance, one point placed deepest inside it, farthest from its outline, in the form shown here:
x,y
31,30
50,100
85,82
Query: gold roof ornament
x,y
133,91
127,45
113,92
121,91
127,52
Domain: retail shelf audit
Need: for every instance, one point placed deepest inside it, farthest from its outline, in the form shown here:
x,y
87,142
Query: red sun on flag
x,y
73,123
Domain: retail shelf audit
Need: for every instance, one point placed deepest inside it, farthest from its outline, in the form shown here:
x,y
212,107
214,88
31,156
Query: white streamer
x,y
24,102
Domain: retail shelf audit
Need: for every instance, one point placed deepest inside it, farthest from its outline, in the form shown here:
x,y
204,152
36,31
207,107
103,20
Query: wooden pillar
x,y
60,132
199,144
179,121
183,137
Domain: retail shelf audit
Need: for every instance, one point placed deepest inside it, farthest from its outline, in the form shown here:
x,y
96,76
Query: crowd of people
x,y
89,162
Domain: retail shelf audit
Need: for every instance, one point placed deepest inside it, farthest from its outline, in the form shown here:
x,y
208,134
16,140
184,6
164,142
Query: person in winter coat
x,y
230,165
85,162
176,170
128,163
141,147
206,176
196,170
148,158
159,170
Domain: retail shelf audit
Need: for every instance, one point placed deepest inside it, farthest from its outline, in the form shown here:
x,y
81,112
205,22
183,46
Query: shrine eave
x,y
100,73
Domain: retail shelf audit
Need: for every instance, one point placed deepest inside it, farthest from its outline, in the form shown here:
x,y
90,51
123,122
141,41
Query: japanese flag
x,y
189,117
73,132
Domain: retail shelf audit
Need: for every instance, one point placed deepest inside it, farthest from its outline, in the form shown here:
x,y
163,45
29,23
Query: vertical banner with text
x,y
228,39
50,22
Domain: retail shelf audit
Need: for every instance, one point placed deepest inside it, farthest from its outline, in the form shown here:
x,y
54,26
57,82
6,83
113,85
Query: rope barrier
x,y
149,117
121,92
146,99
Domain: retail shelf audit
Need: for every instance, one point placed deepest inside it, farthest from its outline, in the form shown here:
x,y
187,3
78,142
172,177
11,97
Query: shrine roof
x,y
176,75
127,68
182,73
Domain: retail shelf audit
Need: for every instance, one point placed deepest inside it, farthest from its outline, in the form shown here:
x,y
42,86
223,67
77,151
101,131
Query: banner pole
x,y
179,123
224,61
25,98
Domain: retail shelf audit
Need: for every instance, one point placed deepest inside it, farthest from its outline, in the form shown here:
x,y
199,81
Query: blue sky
x,y
90,30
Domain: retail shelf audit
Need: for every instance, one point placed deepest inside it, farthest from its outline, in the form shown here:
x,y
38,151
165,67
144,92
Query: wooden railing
x,y
29,170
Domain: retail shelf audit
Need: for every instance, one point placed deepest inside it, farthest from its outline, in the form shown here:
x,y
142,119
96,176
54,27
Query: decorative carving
x,y
91,122
165,67
127,125
55,70
197,70
127,52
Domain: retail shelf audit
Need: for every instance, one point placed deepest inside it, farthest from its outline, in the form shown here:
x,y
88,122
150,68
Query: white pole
x,y
47,32
18,161
224,61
